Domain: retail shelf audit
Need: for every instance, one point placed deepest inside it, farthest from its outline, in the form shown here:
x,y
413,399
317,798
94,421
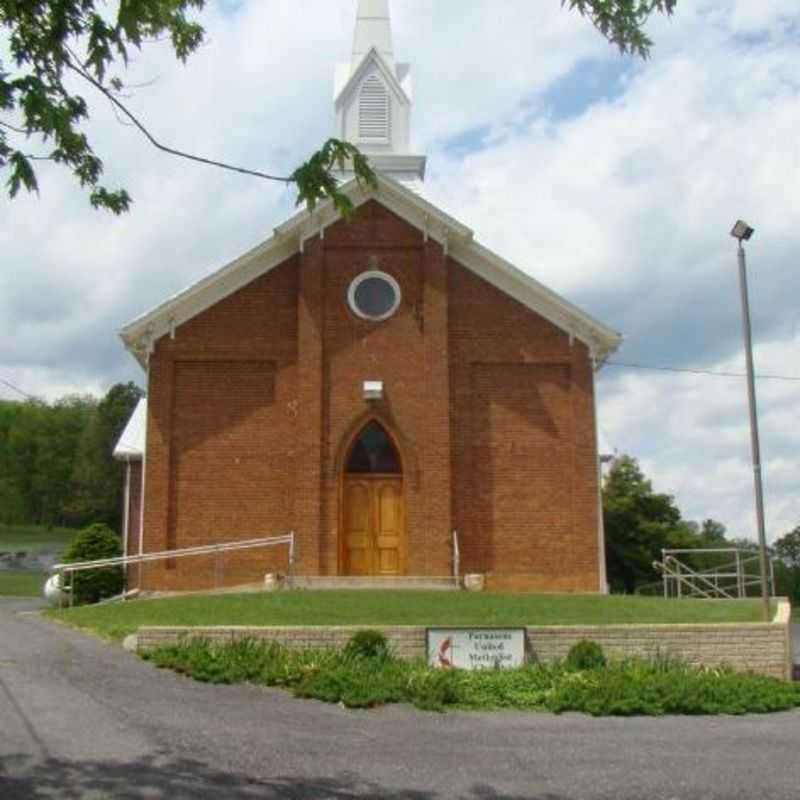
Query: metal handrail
x,y
691,577
67,568
679,575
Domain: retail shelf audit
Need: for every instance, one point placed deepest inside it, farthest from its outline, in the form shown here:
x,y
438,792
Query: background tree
x,y
638,523
713,533
55,459
787,548
97,478
58,433
51,40
37,447
787,567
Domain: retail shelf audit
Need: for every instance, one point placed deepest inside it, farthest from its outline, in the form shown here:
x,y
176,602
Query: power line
x,y
17,389
700,371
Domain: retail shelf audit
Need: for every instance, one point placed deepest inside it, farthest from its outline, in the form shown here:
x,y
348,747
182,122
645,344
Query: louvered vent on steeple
x,y
374,111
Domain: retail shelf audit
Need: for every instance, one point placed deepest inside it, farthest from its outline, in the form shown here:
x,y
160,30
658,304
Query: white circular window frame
x,y
357,281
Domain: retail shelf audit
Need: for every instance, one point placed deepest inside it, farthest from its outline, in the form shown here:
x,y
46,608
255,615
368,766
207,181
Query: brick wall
x,y
222,434
407,353
254,403
525,503
765,648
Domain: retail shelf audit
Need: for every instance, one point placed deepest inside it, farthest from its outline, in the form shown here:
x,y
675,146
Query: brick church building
x,y
372,384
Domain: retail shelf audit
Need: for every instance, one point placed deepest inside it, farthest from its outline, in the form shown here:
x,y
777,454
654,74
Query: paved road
x,y
80,719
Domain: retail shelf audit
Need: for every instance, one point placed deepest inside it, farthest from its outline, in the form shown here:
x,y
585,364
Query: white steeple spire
x,y
373,98
373,29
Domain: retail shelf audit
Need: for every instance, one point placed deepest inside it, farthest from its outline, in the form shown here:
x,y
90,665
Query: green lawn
x,y
34,538
21,584
367,608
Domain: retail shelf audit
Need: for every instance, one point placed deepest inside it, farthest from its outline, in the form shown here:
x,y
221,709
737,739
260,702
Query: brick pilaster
x,y
308,494
435,459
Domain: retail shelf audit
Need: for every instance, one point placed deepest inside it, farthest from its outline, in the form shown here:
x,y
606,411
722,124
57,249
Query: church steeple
x,y
373,29
373,98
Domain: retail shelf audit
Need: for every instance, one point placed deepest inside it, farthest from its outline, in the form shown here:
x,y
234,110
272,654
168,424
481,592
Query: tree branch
x,y
13,128
73,64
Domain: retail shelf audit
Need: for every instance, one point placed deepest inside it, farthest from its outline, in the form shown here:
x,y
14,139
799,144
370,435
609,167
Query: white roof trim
x,y
289,238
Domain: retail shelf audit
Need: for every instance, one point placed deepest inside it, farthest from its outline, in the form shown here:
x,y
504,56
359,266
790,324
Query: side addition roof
x,y
131,444
140,335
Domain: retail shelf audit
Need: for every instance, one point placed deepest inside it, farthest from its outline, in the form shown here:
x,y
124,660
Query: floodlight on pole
x,y
742,232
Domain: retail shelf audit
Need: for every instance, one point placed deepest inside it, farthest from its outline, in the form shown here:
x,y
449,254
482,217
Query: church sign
x,y
475,648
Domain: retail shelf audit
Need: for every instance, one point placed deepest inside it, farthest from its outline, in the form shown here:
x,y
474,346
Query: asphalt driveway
x,y
82,719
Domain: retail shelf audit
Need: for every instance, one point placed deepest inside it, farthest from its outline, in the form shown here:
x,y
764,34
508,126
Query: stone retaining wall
x,y
760,647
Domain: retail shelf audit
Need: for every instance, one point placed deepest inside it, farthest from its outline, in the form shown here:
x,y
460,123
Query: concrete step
x,y
444,583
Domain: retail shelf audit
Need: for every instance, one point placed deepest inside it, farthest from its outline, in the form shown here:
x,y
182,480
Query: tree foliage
x,y
53,42
97,479
622,21
787,548
640,522
787,567
55,459
56,45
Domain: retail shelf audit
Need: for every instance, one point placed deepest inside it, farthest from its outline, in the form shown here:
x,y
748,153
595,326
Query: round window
x,y
374,296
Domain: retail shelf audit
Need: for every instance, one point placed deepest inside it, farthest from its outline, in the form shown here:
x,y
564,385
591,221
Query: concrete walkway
x,y
82,719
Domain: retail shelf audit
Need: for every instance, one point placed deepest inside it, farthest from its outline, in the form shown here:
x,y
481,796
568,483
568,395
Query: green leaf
x,y
22,174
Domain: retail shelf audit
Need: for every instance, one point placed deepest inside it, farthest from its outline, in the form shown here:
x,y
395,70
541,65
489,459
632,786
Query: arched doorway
x,y
372,540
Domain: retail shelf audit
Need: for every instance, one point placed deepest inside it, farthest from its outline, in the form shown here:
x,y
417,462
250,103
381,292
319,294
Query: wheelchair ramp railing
x,y
711,573
216,551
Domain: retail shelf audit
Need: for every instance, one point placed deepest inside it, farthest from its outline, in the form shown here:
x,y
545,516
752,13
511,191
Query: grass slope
x,y
34,538
366,608
21,584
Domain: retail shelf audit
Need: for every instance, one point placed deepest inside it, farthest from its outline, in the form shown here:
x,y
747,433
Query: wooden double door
x,y
373,525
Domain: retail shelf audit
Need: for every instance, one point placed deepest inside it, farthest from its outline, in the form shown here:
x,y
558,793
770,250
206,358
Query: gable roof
x,y
140,335
343,87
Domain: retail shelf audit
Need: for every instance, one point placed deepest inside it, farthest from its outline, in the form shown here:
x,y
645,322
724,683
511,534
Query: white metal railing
x,y
723,580
217,550
456,558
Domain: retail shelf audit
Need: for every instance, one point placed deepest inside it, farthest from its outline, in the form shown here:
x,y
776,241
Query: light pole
x,y
742,233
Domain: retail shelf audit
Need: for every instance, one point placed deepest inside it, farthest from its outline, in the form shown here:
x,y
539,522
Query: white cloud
x,y
624,205
692,435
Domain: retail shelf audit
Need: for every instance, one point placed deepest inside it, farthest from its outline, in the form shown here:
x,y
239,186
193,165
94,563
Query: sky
x,y
612,180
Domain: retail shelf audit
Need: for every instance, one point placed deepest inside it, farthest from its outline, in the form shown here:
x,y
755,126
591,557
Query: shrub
x,y
623,688
369,644
93,543
584,655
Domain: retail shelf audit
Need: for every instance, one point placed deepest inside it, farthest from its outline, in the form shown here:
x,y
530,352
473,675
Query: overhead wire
x,y
692,371
17,389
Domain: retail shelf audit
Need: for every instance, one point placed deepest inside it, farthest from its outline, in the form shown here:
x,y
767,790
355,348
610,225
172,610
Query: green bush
x,y
91,544
652,687
369,644
584,655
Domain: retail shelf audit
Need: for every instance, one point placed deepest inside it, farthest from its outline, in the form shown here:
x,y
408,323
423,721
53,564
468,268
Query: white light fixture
x,y
373,390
